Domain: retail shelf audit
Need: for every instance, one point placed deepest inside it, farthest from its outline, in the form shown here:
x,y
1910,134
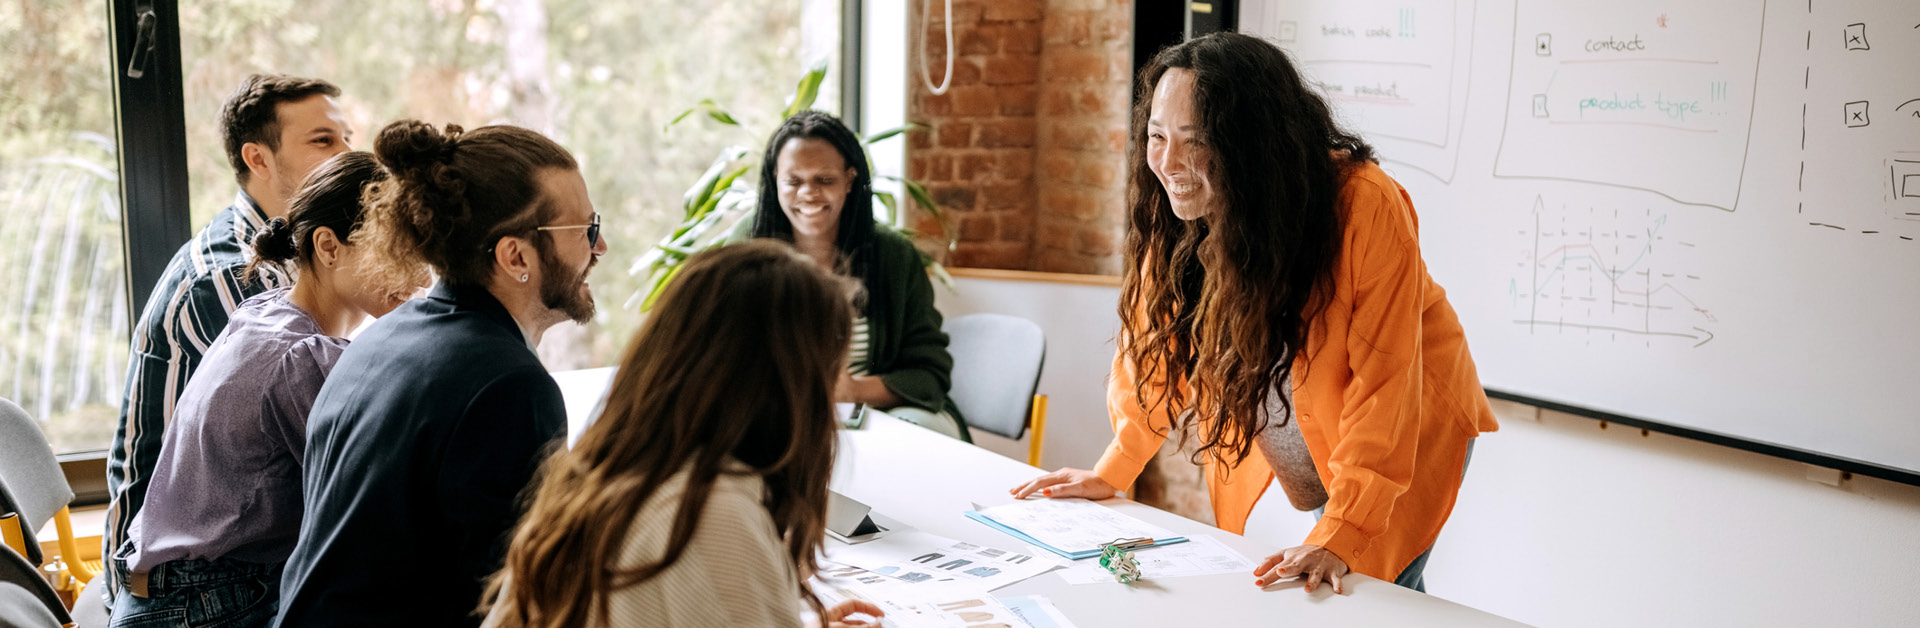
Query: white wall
x,y
1561,523
1080,322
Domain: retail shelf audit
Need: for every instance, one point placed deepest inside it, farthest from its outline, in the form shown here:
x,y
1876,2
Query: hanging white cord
x,y
925,74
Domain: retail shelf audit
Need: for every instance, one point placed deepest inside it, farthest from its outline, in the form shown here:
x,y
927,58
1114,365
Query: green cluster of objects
x,y
1118,560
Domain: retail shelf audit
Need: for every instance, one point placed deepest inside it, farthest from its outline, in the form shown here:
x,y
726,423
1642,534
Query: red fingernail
x,y
1047,491
1260,582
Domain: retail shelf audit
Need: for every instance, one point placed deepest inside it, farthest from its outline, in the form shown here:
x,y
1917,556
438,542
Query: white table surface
x,y
926,480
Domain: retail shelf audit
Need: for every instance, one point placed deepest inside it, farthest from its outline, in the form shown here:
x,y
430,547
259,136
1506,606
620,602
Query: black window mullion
x,y
151,128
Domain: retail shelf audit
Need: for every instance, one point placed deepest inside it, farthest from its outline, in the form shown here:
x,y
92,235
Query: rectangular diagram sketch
x,y
1397,71
1641,95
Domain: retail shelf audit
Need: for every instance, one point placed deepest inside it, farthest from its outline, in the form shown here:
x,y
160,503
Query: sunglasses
x,y
593,230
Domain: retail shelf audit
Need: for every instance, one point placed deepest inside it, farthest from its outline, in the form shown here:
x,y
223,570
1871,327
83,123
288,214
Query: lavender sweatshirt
x,y
227,484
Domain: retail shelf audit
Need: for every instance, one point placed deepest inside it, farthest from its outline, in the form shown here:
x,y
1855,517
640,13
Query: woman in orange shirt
x,y
1275,302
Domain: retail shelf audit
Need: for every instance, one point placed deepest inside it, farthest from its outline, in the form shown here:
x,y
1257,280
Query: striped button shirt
x,y
187,310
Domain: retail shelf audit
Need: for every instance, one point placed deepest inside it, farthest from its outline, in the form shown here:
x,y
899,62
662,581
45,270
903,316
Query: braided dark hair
x,y
453,194
252,114
854,239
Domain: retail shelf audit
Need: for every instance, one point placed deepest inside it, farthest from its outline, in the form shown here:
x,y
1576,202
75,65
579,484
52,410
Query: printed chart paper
x,y
933,604
1072,526
913,556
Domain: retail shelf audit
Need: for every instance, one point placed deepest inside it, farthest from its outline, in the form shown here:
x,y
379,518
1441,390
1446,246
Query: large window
x,y
64,318
602,78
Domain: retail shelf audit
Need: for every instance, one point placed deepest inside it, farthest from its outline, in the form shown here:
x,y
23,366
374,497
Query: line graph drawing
x,y
1608,275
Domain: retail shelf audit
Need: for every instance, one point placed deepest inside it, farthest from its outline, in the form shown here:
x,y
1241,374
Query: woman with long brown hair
x,y
1275,300
698,498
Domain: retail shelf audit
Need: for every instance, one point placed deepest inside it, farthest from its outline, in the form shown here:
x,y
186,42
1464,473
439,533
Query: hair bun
x,y
275,242
409,147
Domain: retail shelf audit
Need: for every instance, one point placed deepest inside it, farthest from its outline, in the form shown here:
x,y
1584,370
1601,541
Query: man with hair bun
x,y
435,419
276,129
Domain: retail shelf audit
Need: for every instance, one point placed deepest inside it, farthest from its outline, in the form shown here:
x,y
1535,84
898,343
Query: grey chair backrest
x,y
31,482
996,369
26,600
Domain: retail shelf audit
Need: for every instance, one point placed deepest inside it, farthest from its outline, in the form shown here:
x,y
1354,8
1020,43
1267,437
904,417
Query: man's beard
x,y
563,293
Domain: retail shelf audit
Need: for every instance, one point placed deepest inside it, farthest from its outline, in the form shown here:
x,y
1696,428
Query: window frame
x,y
150,128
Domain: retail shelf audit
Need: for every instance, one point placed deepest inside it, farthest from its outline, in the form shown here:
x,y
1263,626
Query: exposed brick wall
x,y
977,158
1085,70
1026,148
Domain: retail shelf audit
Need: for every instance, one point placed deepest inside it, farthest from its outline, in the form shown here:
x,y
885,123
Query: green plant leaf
x,y
659,287
892,204
808,90
920,195
712,110
710,182
883,135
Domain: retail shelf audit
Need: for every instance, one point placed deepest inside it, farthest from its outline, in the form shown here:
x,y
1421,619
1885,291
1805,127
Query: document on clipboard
x,y
1074,528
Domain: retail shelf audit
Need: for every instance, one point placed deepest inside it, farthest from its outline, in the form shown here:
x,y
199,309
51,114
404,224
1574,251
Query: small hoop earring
x,y
523,278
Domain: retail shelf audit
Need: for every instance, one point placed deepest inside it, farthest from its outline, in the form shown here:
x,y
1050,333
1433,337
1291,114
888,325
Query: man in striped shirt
x,y
275,129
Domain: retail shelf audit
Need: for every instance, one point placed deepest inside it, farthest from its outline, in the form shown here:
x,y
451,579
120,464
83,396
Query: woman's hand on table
x,y
1067,482
1311,563
840,615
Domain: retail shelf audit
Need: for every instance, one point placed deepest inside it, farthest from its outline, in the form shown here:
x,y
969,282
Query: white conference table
x,y
925,480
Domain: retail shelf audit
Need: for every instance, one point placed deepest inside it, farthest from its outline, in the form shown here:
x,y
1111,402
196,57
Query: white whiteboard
x,y
1702,213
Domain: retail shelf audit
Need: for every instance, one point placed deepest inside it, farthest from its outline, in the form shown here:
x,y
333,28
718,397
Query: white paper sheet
x,y
1073,525
913,556
1200,556
932,604
1037,611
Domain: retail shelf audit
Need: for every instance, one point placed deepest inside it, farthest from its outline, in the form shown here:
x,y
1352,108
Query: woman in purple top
x,y
224,505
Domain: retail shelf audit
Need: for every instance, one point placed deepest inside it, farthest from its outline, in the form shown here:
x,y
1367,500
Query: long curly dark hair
x,y
1227,301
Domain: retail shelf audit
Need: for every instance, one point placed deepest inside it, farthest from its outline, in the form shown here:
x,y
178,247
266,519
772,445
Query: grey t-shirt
x,y
227,484
1285,449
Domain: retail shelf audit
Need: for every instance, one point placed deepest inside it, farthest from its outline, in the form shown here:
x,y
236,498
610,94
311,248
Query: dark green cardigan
x,y
906,347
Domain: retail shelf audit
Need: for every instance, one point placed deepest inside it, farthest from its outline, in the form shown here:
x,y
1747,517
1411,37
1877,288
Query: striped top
x,y
734,571
187,311
859,352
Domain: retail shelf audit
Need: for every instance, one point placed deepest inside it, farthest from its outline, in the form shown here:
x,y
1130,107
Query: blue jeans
x,y
1414,576
185,593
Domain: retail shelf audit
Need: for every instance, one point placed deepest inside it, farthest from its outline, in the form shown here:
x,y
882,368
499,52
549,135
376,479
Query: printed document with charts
x,y
1074,528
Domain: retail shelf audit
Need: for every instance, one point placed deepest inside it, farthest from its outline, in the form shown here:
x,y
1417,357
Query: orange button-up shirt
x,y
1386,395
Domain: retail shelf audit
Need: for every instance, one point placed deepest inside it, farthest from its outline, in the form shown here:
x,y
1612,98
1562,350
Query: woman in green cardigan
x,y
816,173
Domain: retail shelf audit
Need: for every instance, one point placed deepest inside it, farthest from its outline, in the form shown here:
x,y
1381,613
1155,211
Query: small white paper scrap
x,y
1037,611
1200,556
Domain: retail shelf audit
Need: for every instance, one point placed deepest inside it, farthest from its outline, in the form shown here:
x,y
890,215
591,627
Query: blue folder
x,y
976,516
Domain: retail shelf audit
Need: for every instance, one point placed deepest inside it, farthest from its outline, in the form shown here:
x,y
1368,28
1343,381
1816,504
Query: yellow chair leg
x,y
10,531
70,548
1038,425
